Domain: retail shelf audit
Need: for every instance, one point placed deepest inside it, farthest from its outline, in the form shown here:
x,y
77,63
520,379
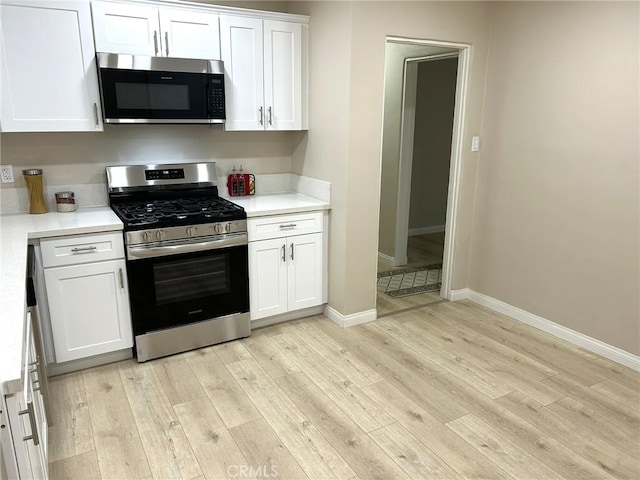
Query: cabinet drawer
x,y
81,249
277,226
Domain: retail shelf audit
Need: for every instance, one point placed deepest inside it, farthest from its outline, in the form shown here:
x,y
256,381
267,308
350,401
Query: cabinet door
x,y
27,421
89,308
304,271
121,28
49,78
283,75
267,278
241,52
188,34
29,460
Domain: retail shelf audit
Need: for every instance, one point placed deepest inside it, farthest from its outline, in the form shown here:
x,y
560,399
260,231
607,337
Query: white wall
x,y
557,219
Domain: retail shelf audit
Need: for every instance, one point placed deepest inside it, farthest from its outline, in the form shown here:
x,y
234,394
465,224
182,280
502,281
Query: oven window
x,y
192,278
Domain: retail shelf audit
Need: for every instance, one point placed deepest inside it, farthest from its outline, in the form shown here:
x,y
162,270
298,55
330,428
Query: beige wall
x,y
274,6
435,102
556,225
347,44
322,152
80,158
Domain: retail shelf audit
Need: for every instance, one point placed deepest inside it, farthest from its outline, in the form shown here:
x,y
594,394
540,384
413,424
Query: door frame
x,y
406,154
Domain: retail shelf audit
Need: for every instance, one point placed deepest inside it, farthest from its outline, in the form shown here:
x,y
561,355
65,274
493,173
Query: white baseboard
x,y
576,338
350,320
386,259
426,230
285,317
461,294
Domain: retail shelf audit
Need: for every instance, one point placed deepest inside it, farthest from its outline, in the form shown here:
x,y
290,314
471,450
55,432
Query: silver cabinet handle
x,y
261,115
166,42
90,249
121,278
155,42
292,251
284,255
288,226
95,114
270,116
32,421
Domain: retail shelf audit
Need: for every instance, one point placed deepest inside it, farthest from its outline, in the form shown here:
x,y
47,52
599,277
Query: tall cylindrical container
x,y
35,184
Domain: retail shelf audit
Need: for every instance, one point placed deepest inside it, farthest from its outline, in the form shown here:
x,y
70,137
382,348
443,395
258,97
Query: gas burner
x,y
177,211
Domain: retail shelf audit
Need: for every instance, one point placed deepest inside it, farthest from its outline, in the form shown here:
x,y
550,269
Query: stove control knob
x,y
160,235
191,231
227,227
146,236
217,228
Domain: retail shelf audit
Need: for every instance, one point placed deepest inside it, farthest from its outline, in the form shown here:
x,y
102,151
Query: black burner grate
x,y
178,211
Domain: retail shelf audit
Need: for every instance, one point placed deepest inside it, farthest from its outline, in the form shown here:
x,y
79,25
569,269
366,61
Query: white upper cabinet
x,y
120,28
263,73
161,32
190,34
283,75
242,53
49,79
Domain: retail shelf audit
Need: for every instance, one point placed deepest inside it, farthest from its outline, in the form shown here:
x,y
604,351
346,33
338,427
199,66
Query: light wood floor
x,y
448,391
421,250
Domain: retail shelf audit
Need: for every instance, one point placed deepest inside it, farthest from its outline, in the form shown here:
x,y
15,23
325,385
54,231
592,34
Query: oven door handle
x,y
149,251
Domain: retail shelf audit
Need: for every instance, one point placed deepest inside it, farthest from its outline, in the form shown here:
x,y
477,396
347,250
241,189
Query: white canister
x,y
66,202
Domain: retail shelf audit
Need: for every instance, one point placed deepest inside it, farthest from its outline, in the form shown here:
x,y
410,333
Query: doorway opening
x,y
425,83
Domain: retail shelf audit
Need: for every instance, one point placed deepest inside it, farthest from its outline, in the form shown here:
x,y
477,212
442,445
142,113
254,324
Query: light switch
x,y
475,144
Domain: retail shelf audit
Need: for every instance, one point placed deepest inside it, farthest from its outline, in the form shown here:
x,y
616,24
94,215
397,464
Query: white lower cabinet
x,y
86,284
286,273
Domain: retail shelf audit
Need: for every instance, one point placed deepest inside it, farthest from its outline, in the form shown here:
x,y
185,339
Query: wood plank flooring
x,y
444,391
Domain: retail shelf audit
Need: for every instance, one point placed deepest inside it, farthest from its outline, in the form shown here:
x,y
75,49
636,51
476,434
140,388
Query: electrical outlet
x,y
7,173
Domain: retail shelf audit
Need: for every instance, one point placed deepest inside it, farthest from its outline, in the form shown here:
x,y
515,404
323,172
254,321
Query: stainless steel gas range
x,y
187,257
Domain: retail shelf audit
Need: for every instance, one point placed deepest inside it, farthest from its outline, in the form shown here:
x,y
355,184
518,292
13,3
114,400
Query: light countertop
x,y
15,232
278,203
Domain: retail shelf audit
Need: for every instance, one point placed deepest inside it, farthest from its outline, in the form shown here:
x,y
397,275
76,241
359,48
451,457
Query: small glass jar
x,y
66,202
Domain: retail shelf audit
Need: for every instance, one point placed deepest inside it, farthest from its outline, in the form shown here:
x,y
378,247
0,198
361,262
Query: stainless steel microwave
x,y
141,89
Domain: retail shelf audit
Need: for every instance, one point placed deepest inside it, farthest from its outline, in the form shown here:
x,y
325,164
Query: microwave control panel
x,y
216,96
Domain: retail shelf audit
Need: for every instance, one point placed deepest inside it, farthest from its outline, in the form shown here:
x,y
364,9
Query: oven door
x,y
175,290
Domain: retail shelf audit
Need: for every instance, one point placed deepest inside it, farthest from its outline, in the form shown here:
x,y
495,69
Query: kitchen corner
x,y
16,231
276,194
